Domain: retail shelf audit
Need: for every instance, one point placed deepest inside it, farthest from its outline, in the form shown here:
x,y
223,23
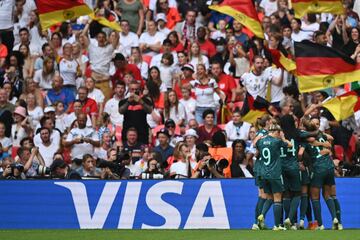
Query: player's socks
x,y
266,206
317,211
331,206
293,207
337,207
286,204
277,213
309,212
259,207
303,205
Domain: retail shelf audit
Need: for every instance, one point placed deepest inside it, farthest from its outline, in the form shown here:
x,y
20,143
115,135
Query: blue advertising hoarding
x,y
150,204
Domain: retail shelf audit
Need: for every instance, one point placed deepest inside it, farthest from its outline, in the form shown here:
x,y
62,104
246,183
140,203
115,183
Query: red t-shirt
x,y
3,51
177,88
226,84
89,107
207,48
178,48
130,68
205,135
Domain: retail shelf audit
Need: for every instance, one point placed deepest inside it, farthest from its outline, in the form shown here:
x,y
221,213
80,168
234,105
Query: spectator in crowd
x,y
128,39
59,169
122,68
88,105
47,147
236,129
21,127
58,93
137,59
164,147
187,29
132,144
6,111
209,128
82,140
240,160
111,106
134,108
150,41
132,11
45,75
88,167
174,109
182,165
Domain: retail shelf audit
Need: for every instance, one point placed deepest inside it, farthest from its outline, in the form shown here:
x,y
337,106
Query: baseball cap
x,y
49,109
163,131
160,16
188,67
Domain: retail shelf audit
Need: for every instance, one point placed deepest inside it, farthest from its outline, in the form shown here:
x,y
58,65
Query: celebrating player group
x,y
293,163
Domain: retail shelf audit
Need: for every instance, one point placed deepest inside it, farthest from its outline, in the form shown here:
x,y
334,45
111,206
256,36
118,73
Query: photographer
x,y
115,168
59,169
88,168
208,167
135,108
11,171
31,166
154,170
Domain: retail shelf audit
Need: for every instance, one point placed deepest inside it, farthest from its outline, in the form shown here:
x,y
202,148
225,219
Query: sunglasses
x,y
15,135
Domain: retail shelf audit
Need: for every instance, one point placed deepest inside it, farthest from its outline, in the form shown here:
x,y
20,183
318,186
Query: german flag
x,y
244,12
111,23
282,60
344,106
319,67
56,11
253,109
302,7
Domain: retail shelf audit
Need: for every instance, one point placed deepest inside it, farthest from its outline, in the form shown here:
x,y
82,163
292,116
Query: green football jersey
x,y
269,149
320,163
258,165
289,156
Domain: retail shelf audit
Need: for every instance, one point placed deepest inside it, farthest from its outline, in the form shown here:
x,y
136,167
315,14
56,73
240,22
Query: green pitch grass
x,y
177,235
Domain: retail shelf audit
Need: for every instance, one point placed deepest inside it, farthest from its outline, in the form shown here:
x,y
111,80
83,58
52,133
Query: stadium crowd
x,y
80,100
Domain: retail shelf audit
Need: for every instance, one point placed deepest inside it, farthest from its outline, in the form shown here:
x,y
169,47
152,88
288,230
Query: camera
x,y
17,166
211,162
42,170
117,167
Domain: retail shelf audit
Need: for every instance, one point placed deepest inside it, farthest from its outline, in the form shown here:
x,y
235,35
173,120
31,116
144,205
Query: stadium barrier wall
x,y
150,204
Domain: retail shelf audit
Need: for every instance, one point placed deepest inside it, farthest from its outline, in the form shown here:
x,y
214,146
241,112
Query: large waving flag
x,y
253,108
282,60
319,67
52,12
244,12
302,7
344,106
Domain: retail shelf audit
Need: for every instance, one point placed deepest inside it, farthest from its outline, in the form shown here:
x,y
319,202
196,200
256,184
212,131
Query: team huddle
x,y
293,164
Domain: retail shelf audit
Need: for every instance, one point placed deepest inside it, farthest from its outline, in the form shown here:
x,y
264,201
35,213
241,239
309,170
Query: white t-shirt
x,y
79,150
44,83
181,168
6,142
54,138
204,60
127,42
205,93
301,35
97,95
152,4
100,58
144,69
68,71
112,108
101,153
70,118
156,60
166,75
25,15
60,122
236,132
47,152
190,106
135,170
146,38
35,115
180,115
256,85
277,91
6,14
150,120
269,6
